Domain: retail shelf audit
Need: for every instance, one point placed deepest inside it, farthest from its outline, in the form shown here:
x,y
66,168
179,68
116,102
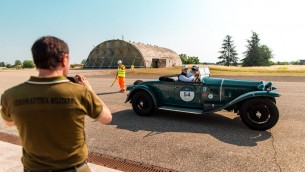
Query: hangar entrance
x,y
158,63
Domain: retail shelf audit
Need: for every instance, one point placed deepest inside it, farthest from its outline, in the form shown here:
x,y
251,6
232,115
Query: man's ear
x,y
65,60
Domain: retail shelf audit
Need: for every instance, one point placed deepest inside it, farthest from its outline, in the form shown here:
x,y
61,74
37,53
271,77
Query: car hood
x,y
230,82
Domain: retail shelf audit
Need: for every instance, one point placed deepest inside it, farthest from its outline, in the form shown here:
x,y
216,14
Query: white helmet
x,y
120,62
195,67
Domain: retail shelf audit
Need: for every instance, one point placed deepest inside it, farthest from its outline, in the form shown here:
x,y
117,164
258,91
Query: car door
x,y
188,94
166,93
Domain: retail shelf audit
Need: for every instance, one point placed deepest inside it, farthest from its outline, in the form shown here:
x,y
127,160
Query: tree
x,y
265,54
2,64
256,54
295,62
193,60
17,62
183,58
252,53
84,61
228,53
28,64
189,60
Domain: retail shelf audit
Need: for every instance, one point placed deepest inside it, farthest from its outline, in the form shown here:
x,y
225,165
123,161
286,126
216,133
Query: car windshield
x,y
204,72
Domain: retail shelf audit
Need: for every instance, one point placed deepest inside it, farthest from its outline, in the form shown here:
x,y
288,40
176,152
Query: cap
x,y
120,62
184,67
195,67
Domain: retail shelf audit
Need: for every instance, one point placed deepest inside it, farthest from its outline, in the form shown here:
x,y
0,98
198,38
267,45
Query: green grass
x,y
288,70
278,70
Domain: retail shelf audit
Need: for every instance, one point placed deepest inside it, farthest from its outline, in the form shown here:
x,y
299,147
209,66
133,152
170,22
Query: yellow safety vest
x,y
121,71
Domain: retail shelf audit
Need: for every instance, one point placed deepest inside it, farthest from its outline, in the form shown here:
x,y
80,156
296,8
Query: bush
x,y
18,67
76,65
8,66
28,64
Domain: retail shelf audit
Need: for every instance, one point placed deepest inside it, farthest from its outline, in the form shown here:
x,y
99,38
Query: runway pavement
x,y
183,142
11,155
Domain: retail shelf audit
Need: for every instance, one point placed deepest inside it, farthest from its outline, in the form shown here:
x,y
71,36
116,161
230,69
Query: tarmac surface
x,y
11,155
184,142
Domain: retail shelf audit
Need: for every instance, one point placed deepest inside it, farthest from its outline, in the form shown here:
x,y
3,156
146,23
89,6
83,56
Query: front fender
x,y
253,94
245,97
138,88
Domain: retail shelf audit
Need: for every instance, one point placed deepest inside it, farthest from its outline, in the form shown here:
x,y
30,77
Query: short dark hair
x,y
47,52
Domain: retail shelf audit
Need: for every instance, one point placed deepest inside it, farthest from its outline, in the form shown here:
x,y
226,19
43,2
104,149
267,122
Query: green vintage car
x,y
253,101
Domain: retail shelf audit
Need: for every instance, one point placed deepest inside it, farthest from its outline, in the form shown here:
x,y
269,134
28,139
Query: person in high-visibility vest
x,y
121,76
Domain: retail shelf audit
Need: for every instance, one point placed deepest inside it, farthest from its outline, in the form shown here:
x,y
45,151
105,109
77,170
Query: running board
x,y
181,109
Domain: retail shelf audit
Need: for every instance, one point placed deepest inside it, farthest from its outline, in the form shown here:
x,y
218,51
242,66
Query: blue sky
x,y
192,27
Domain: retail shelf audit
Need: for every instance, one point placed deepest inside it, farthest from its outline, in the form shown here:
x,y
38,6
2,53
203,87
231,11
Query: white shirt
x,y
191,74
186,78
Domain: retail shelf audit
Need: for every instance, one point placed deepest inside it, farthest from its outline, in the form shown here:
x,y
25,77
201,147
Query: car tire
x,y
142,103
259,113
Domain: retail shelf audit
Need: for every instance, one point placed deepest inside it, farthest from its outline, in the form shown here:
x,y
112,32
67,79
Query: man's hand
x,y
105,116
83,81
196,74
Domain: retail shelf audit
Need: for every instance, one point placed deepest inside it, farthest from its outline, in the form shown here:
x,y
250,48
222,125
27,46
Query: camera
x,y
72,79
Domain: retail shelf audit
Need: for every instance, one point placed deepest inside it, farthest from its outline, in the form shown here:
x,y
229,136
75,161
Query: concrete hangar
x,y
107,54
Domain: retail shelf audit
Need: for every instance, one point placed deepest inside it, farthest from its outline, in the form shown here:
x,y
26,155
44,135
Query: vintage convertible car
x,y
253,101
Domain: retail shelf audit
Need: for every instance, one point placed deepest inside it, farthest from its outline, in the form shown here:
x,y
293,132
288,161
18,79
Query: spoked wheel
x,y
259,113
143,104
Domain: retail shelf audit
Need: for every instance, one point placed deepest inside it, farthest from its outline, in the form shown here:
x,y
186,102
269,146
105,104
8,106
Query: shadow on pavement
x,y
227,130
113,92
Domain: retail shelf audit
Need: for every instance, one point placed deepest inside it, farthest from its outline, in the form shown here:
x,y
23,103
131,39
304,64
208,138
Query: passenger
x,y
194,72
184,77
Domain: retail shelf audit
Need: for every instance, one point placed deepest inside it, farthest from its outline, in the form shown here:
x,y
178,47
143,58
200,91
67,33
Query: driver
x,y
184,76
